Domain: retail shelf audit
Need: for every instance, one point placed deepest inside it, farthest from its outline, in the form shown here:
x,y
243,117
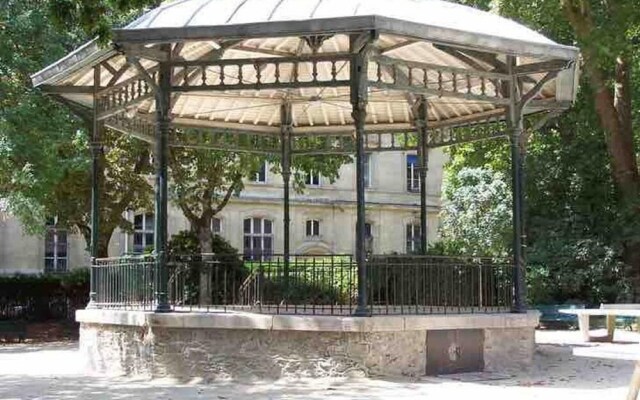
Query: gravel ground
x,y
52,371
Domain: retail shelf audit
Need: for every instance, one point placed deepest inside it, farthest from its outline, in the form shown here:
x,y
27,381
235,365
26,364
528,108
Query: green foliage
x,y
316,280
576,225
44,149
43,297
40,142
222,272
475,218
186,243
204,181
96,18
564,270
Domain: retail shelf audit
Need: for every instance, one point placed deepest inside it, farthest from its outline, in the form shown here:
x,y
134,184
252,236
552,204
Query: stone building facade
x,y
323,218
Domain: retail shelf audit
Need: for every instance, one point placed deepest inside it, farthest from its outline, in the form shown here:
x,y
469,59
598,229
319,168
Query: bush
x,y
586,271
223,271
317,280
43,297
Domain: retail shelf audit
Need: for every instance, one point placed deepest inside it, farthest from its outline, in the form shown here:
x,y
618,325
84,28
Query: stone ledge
x,y
241,320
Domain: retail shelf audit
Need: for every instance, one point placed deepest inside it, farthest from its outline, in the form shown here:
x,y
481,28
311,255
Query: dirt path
x,y
52,371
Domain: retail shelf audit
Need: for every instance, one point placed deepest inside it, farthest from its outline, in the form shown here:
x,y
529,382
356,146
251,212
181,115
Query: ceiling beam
x,y
118,74
66,89
541,67
397,46
108,67
143,73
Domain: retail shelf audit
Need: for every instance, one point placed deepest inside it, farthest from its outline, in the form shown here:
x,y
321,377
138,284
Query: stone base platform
x,y
245,345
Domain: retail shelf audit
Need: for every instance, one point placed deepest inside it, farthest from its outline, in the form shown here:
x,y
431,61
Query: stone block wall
x,y
508,348
227,353
246,345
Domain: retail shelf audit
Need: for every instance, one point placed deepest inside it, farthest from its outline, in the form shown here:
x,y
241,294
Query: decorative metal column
x,y
96,150
359,99
421,122
163,120
286,125
515,126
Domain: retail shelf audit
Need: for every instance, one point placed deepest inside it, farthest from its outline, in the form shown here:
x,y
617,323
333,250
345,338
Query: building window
x,y
367,170
312,179
413,176
368,238
413,239
313,228
55,248
216,226
258,238
261,174
143,225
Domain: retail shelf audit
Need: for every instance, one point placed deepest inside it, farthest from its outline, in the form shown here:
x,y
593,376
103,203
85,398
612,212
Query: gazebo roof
x,y
449,17
235,62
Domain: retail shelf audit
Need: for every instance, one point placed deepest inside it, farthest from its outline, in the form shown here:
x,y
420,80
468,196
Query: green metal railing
x,y
125,282
323,285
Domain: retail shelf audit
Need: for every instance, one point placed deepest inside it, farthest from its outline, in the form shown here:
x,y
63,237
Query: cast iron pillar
x,y
96,150
163,121
515,126
359,98
286,126
421,122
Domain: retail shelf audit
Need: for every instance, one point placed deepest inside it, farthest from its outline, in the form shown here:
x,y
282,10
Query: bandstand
x,y
296,78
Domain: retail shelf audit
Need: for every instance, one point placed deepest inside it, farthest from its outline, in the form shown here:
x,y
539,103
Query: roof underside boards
x,y
247,107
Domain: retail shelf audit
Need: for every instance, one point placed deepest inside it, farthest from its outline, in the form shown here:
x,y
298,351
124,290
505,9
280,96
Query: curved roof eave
x,y
88,54
442,35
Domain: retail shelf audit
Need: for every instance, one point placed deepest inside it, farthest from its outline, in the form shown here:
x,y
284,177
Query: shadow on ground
x,y
53,371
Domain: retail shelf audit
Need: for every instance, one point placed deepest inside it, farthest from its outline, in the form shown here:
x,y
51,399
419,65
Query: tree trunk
x,y
615,115
614,110
103,246
202,229
103,242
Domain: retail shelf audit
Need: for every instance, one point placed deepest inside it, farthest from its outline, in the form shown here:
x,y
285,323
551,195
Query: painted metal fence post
x,y
163,120
96,150
286,123
359,98
515,126
423,155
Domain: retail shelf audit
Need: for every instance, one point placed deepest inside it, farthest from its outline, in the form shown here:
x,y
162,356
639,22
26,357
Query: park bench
x,y
612,312
551,317
13,330
630,352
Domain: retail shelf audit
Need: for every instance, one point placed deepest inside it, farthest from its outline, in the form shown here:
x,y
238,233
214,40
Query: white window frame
x,y
57,234
368,169
412,242
314,224
412,174
309,179
219,232
144,232
256,177
368,237
252,234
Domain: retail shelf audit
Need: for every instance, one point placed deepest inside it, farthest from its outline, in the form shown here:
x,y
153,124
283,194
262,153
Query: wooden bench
x,y
610,311
629,352
13,330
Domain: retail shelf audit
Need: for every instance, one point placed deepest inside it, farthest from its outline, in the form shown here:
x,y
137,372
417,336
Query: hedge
x,y
43,297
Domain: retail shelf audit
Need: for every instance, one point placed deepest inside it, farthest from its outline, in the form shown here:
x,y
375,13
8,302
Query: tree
x,y
475,217
96,18
44,150
608,34
204,181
